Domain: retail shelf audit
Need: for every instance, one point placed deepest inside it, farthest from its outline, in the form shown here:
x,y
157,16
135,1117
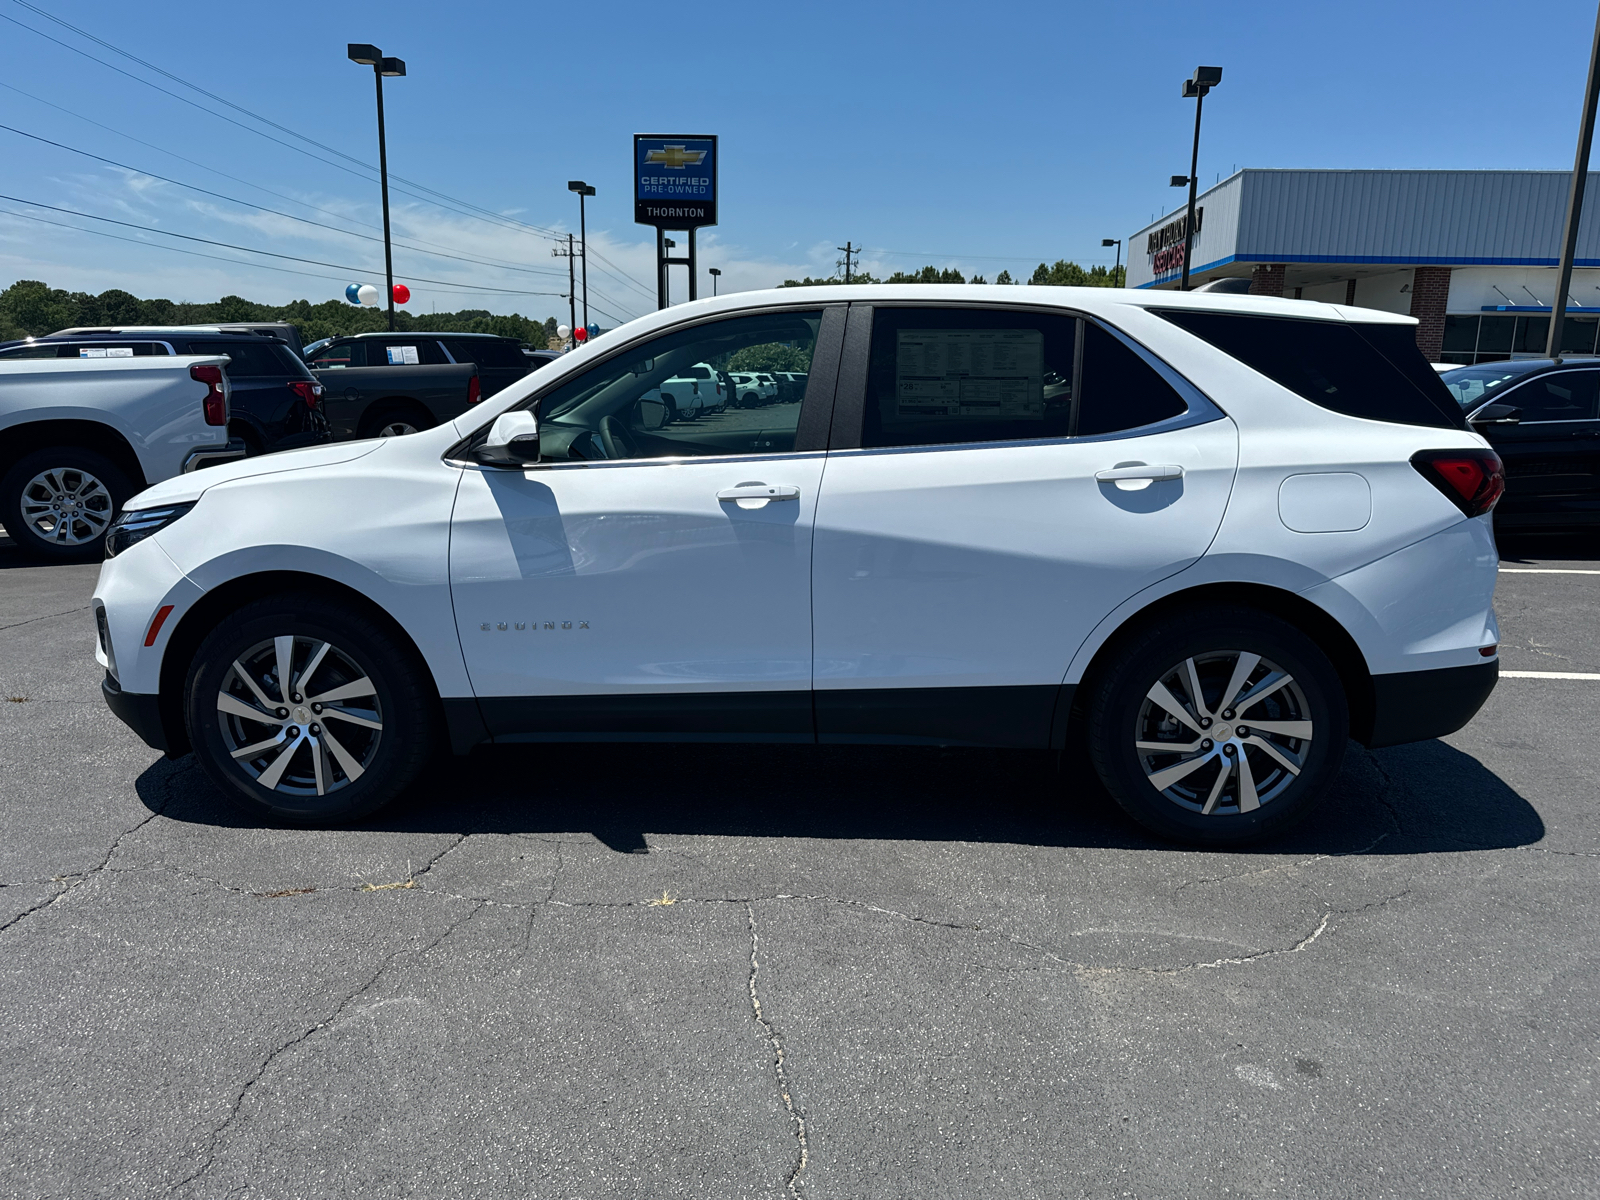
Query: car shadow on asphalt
x,y
1417,799
1518,546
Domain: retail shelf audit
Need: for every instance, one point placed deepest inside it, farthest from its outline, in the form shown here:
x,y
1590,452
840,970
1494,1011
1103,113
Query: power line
x,y
275,212
268,253
207,167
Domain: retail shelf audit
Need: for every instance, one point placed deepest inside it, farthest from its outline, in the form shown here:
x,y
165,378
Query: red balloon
x,y
581,333
401,293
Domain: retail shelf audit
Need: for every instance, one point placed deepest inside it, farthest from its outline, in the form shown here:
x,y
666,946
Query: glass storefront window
x,y
1495,334
1460,335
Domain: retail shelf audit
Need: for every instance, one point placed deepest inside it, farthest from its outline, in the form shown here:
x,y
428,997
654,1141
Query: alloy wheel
x,y
396,429
67,506
1224,732
277,708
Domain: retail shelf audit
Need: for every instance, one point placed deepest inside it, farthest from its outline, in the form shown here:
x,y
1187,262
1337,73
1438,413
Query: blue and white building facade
x,y
1471,254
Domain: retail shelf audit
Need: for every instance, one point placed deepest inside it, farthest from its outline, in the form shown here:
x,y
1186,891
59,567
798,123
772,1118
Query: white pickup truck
x,y
79,436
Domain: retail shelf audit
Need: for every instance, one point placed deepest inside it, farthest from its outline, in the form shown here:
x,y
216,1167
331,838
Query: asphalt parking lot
x,y
649,971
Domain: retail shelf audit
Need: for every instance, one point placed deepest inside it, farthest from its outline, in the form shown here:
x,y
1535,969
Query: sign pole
x,y
661,268
1580,176
675,187
694,270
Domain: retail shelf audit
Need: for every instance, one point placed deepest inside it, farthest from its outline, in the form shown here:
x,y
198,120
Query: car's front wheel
x,y
1218,725
303,710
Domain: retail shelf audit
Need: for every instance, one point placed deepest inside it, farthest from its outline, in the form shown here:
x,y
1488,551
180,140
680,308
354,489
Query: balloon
x,y
401,293
368,294
353,293
563,330
581,333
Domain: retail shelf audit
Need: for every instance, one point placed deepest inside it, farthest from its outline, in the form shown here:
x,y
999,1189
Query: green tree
x,y
770,356
1004,278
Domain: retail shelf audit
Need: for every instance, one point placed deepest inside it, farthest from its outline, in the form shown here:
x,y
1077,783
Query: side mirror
x,y
1497,414
513,441
652,413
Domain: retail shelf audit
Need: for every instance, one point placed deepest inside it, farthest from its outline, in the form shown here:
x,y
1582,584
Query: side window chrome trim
x,y
686,460
1186,420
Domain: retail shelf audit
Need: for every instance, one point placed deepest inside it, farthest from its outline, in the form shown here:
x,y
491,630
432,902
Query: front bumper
x,y
1414,706
139,712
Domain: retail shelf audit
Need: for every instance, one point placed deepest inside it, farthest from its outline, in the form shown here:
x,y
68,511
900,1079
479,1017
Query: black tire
x,y
386,415
79,535
1209,772
388,760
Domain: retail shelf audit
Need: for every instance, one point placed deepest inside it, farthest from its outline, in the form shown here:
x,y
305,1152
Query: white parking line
x,y
1544,571
1549,675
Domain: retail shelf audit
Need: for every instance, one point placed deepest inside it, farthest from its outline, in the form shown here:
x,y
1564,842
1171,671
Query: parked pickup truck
x,y
79,436
390,400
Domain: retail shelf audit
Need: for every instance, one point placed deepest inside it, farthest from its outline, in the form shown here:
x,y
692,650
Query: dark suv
x,y
500,360
1543,419
276,401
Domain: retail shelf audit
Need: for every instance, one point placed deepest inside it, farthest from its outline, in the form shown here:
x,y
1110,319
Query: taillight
x,y
474,390
307,391
216,401
1472,479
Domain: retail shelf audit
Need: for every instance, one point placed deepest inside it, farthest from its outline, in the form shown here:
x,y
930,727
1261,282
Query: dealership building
x,y
1471,254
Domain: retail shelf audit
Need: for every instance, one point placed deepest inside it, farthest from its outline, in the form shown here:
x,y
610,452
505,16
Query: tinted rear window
x,y
487,353
1360,370
255,359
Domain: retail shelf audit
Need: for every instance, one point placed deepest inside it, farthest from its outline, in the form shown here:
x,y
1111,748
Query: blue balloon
x,y
353,293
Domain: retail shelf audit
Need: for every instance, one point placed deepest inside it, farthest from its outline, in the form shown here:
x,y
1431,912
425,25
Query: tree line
x,y
29,308
1062,274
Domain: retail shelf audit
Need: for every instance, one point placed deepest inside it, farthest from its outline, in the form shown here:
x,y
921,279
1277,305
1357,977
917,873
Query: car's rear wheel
x,y
57,503
1218,725
302,710
393,420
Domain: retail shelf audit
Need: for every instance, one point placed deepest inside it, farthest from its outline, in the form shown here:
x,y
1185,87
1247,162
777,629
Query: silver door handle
x,y
760,491
1140,471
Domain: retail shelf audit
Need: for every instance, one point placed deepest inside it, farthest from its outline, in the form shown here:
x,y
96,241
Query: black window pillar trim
x,y
850,397
817,405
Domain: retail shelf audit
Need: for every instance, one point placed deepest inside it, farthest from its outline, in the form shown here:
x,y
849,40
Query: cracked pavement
x,y
642,971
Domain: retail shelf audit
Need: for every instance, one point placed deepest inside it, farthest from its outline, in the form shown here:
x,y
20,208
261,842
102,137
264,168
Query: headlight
x,y
138,524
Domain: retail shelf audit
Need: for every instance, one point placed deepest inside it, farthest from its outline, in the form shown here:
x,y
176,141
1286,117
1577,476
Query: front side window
x,y
673,397
340,354
1476,386
1557,396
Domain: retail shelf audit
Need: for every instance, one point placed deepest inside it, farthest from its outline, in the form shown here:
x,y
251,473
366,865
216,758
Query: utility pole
x,y
1580,176
572,298
848,249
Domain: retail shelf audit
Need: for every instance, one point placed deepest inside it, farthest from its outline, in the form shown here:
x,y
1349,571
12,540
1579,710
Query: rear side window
x,y
407,352
247,360
1360,370
940,376
487,353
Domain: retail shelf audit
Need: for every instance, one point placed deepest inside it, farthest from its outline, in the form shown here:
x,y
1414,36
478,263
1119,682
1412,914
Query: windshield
x,y
1472,386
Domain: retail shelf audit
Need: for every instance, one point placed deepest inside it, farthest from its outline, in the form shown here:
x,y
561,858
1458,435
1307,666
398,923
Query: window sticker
x,y
969,373
403,356
105,352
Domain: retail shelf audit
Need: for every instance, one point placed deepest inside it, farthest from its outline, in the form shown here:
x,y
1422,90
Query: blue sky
x,y
978,136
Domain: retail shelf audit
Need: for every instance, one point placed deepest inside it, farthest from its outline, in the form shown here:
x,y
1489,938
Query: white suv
x,y
1198,539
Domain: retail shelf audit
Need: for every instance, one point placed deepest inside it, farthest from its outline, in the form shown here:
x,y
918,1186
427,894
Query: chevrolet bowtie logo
x,y
675,157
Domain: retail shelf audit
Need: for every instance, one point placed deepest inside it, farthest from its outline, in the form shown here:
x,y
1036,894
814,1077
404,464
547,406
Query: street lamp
x,y
371,56
1116,270
583,189
715,275
1195,87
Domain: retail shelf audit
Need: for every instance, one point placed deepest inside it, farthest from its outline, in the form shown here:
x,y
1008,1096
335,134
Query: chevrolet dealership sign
x,y
674,180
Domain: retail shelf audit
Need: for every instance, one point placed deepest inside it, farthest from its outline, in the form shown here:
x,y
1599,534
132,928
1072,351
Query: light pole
x,y
1195,87
1580,176
715,275
1116,270
370,56
583,189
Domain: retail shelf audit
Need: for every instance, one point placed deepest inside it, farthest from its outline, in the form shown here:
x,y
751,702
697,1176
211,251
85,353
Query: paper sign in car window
x,y
403,356
993,374
105,352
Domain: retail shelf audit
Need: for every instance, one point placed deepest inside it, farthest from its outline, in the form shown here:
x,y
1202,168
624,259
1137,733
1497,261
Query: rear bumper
x,y
208,455
139,712
1413,706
